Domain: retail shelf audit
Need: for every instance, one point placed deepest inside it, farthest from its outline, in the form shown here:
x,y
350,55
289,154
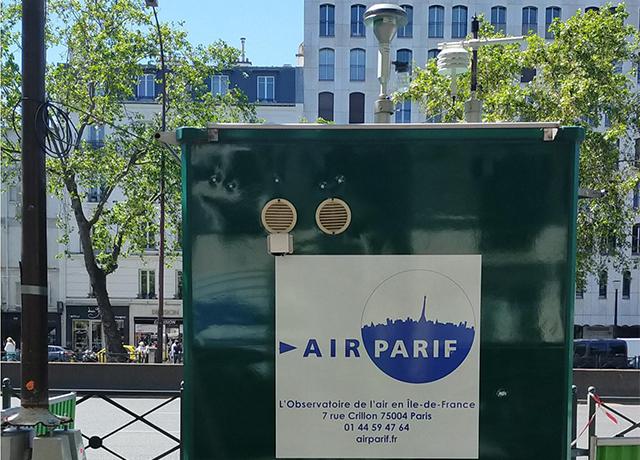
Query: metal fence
x,y
110,396
595,403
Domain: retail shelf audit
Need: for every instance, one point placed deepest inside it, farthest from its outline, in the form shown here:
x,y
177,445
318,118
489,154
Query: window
x,y
436,21
326,64
407,31
406,56
636,153
529,20
499,19
266,88
591,8
433,53
626,284
602,284
608,245
219,85
617,349
178,284
552,13
95,135
147,284
617,67
94,194
527,75
150,238
357,64
579,293
459,22
403,112
327,20
14,192
636,196
356,108
357,20
635,240
325,106
146,86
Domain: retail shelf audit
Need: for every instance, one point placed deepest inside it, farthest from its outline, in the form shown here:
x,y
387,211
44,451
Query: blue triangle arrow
x,y
285,347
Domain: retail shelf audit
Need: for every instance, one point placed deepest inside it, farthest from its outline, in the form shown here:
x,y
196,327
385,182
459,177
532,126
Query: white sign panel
x,y
377,356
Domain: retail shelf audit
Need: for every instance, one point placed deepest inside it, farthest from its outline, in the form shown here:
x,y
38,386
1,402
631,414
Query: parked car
x,y
600,354
61,354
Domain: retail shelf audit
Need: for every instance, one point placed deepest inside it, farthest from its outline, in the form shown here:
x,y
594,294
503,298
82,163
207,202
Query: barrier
x,y
615,449
63,405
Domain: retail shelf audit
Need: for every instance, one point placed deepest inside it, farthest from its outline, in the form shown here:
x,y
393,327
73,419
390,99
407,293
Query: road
x,y
140,442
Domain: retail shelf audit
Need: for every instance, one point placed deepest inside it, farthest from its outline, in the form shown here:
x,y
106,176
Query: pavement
x,y
139,441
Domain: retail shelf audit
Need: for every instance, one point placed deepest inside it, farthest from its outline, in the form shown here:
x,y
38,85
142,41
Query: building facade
x,y
340,84
74,319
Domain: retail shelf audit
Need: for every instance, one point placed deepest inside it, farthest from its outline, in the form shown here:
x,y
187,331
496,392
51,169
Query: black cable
x,y
60,133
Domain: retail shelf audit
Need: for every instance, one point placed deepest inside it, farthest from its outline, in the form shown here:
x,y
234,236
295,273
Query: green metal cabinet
x,y
505,191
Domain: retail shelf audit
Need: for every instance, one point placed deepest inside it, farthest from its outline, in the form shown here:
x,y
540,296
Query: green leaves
x,y
577,82
109,44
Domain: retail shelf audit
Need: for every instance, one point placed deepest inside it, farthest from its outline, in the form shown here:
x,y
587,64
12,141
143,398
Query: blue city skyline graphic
x,y
406,357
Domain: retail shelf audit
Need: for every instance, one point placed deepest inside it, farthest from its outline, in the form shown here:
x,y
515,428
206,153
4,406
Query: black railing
x,y
110,396
98,442
594,402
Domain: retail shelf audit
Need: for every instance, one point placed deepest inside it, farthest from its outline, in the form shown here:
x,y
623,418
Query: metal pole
x,y
34,393
473,107
591,413
160,349
574,413
383,105
7,392
475,29
182,415
615,316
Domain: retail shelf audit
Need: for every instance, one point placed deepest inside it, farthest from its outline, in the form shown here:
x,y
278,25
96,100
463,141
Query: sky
x,y
273,28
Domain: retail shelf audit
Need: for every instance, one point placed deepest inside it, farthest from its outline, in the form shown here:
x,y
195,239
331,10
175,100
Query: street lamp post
x,y
160,347
616,284
384,18
34,391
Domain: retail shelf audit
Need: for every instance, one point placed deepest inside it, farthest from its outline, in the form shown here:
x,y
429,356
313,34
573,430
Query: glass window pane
x,y
459,22
436,21
327,20
325,106
499,19
357,21
326,64
626,285
529,20
407,31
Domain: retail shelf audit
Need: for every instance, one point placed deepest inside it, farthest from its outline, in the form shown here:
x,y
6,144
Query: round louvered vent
x,y
333,216
279,216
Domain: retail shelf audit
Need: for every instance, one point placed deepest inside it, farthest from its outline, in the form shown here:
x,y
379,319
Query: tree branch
x,y
105,196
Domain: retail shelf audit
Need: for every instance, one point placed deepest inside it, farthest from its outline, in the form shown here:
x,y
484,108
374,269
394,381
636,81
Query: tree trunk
x,y
113,342
112,338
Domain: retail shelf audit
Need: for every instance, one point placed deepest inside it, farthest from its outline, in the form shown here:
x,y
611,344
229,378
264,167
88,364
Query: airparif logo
x,y
417,341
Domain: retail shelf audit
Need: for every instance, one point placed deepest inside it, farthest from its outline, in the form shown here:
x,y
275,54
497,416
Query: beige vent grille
x,y
279,216
333,216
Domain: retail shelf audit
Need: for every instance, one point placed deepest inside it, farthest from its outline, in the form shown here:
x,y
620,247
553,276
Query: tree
x,y
109,43
578,82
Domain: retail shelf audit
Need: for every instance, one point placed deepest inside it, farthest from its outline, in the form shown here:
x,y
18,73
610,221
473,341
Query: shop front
x,y
11,327
146,329
85,330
